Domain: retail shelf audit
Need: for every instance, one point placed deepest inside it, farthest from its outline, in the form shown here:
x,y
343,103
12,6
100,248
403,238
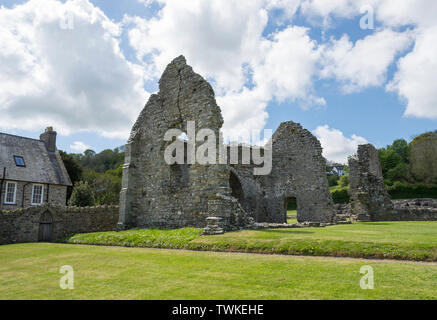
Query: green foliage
x,y
401,148
395,161
73,167
399,173
102,171
148,238
106,186
389,240
28,272
333,180
423,158
340,195
389,159
344,181
74,170
101,162
82,195
401,190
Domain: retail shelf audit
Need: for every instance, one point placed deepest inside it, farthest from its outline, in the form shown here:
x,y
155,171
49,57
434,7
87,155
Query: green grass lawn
x,y
389,240
292,213
31,271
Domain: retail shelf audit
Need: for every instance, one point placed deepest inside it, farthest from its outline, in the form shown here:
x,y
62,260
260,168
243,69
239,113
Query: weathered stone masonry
x,y
370,200
52,223
155,194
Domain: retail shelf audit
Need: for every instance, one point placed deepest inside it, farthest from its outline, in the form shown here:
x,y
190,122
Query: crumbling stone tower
x,y
155,194
370,200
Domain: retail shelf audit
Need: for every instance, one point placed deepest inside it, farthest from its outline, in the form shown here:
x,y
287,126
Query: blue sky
x,y
309,63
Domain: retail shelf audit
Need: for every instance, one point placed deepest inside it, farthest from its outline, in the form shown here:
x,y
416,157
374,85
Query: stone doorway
x,y
45,233
291,210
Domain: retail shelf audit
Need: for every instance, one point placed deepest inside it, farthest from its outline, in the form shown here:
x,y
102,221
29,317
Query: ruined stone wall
x,y
252,195
370,200
23,225
155,194
299,171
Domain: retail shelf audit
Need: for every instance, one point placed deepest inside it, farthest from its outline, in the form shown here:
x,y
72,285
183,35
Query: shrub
x,y
333,180
340,195
82,195
401,190
344,181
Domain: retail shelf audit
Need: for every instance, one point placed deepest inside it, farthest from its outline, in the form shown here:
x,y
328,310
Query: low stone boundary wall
x,y
404,210
413,214
52,223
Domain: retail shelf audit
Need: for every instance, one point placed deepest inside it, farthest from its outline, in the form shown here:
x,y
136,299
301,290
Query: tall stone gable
x,y
299,171
155,194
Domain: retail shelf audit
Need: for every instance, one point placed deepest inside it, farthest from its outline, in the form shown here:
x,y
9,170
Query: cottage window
x,y
11,193
37,194
19,161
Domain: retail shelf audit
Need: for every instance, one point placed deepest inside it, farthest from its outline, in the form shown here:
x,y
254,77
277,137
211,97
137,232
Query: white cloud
x,y
76,79
337,147
416,78
79,146
365,63
287,68
223,41
79,79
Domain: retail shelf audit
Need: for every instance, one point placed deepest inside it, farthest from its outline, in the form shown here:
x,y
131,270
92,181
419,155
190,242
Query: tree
x,y
401,148
73,167
344,181
74,170
399,173
423,158
333,180
82,195
389,159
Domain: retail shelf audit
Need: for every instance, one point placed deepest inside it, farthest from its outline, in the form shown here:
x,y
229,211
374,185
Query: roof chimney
x,y
49,139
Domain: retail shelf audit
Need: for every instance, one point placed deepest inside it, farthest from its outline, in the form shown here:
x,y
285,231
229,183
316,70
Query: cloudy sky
x,y
87,67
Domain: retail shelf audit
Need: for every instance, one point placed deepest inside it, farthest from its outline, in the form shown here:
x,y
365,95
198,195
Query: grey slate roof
x,y
41,166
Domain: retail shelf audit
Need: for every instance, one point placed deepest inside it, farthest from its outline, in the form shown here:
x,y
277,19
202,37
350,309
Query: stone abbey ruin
x,y
217,197
221,196
369,199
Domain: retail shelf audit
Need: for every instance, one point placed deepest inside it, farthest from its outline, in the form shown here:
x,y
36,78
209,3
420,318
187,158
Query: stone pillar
x,y
370,200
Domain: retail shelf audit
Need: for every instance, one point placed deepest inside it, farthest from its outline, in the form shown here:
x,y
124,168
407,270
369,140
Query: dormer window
x,y
19,161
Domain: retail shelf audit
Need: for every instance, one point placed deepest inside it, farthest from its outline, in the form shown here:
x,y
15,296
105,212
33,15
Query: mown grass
x,y
415,241
32,271
149,238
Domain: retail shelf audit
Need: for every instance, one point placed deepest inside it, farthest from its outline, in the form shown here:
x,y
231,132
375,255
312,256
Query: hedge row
x,y
408,191
397,191
340,195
